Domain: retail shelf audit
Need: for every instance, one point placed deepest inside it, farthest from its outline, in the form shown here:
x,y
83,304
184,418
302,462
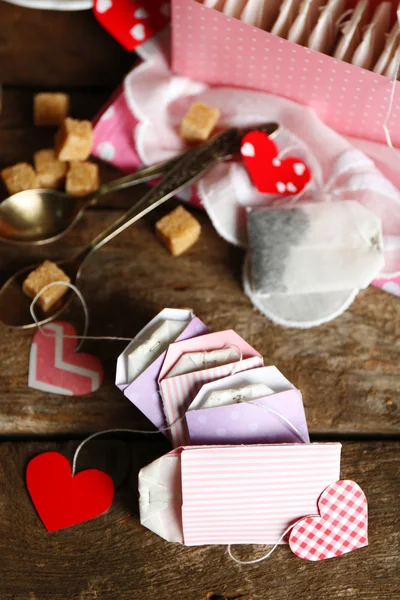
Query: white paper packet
x,y
305,21
199,361
253,391
287,14
324,34
373,41
215,4
234,8
260,13
352,32
314,248
386,56
392,66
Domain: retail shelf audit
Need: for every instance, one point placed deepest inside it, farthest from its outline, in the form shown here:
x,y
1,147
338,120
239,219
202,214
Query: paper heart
x,y
269,173
55,367
62,500
103,5
131,23
341,527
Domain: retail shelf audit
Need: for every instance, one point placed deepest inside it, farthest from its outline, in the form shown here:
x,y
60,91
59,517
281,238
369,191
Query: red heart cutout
x,y
342,526
132,23
269,173
55,367
62,500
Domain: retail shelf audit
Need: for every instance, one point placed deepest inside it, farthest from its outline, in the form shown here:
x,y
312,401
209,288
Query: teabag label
x,y
314,248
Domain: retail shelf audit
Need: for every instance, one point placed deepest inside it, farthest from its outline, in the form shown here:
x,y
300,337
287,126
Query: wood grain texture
x,y
114,558
347,370
57,49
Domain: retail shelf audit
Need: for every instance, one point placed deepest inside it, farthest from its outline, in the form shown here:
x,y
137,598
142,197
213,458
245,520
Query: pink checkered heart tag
x,y
341,527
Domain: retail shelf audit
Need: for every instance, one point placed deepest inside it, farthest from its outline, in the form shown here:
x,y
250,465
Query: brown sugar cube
x,y
178,230
47,272
50,171
199,122
19,177
50,108
82,178
74,140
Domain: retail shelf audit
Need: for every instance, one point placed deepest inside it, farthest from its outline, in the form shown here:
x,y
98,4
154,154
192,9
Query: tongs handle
x,y
184,172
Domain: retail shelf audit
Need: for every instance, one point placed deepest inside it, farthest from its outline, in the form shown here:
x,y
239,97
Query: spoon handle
x,y
140,176
185,171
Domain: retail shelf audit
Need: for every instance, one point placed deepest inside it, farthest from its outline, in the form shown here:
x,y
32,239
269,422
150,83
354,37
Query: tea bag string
x,y
392,94
83,337
258,560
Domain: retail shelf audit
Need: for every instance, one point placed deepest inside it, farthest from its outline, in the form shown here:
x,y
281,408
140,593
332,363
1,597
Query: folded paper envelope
x,y
219,340
178,392
139,365
235,494
277,418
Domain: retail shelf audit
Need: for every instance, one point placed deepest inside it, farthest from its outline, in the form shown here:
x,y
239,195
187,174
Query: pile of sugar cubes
x,y
66,163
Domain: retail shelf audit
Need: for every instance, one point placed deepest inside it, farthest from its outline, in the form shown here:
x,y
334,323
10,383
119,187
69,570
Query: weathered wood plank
x,y
55,48
348,370
113,557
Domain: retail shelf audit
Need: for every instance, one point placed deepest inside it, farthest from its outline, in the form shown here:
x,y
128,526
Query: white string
x,y
257,560
86,314
392,93
271,410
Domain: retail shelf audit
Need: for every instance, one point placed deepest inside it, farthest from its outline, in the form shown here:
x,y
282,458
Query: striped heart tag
x,y
55,367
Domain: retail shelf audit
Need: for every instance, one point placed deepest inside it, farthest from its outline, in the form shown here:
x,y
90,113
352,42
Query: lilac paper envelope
x,y
212,341
250,422
143,390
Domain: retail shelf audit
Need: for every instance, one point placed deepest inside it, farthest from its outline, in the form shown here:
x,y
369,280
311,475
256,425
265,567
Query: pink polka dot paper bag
x,y
218,49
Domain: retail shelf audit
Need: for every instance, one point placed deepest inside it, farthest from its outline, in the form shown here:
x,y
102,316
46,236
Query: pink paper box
x,y
212,47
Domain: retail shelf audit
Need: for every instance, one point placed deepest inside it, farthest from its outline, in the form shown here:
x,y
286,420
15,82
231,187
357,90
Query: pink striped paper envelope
x,y
235,494
212,341
251,422
178,392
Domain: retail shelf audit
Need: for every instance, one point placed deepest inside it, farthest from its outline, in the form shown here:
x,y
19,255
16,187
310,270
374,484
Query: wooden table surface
x,y
348,372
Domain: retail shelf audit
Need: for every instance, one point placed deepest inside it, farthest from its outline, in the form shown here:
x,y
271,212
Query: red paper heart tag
x,y
55,367
62,500
269,173
132,23
342,526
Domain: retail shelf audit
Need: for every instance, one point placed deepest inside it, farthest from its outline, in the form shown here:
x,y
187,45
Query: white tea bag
x,y
215,4
352,33
253,391
287,15
305,21
367,52
385,58
234,8
200,361
152,346
324,33
314,248
260,13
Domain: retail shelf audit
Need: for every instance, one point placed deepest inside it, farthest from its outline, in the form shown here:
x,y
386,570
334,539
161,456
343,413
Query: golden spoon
x,y
36,217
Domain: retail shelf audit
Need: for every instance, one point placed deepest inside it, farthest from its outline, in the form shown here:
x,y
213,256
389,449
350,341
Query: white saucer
x,y
54,4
